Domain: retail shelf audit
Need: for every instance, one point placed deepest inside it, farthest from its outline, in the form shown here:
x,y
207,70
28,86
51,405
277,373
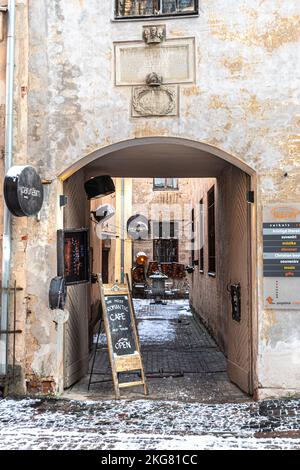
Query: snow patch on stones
x,y
146,424
153,332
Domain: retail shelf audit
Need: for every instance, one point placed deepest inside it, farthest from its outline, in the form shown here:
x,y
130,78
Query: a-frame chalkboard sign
x,y
122,335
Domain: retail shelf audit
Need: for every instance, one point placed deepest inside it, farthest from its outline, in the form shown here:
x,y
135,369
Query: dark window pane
x,y
169,6
201,237
165,251
211,231
154,7
193,235
186,5
135,7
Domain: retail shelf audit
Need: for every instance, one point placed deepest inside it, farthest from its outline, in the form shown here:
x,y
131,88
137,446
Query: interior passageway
x,y
181,360
196,229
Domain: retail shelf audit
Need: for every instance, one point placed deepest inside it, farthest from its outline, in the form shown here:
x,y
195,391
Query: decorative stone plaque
x,y
174,59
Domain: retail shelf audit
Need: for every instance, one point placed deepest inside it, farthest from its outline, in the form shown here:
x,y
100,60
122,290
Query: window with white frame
x,y
142,8
165,184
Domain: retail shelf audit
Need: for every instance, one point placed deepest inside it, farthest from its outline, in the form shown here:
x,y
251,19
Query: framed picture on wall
x,y
73,256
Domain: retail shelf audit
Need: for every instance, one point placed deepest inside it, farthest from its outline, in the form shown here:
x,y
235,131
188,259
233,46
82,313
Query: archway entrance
x,y
222,291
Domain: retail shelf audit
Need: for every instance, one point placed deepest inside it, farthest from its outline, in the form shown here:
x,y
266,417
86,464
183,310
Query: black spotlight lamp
x,y
99,186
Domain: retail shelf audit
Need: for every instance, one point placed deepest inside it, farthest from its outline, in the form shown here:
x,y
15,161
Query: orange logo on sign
x,y
283,212
270,300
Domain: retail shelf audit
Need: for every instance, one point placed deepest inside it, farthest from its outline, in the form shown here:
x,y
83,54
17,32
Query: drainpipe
x,y
6,243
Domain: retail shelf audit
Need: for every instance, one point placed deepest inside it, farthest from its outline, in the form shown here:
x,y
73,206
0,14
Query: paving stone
x,y
186,364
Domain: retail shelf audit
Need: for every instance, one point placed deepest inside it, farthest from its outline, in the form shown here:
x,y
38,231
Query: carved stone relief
x,y
142,64
154,99
154,34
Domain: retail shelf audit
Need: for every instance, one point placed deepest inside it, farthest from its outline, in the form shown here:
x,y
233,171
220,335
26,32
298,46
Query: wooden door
x,y
239,272
76,344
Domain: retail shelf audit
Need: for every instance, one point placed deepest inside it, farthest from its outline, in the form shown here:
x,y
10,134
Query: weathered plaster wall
x,y
245,101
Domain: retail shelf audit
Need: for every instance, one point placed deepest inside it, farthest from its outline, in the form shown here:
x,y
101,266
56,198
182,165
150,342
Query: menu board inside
x,y
73,256
281,244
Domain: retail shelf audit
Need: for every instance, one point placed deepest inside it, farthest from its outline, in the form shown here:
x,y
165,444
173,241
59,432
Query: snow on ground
x,y
173,310
149,424
155,321
153,332
145,424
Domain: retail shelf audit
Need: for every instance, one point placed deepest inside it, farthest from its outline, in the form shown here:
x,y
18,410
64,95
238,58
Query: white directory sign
x,y
281,241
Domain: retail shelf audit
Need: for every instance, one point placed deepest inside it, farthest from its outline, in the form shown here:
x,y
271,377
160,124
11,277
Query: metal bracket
x,y
11,289
10,332
63,200
250,197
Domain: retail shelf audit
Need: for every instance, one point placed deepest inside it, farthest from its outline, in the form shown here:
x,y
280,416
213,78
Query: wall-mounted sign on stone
x,y
281,238
174,59
23,191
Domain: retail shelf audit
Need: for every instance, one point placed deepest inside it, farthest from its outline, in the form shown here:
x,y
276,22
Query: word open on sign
x,y
123,343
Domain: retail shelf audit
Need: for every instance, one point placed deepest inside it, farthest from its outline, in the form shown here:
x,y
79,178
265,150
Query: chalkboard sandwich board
x,y
122,336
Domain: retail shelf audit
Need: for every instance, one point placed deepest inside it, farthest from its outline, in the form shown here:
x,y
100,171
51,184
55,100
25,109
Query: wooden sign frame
x,y
82,236
125,363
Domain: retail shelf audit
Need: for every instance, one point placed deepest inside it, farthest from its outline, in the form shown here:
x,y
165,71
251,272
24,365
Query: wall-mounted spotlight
x,y
138,227
99,186
103,213
63,200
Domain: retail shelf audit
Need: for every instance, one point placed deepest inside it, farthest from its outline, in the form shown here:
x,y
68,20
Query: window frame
x,y
166,241
193,251
166,187
201,237
155,16
161,227
211,210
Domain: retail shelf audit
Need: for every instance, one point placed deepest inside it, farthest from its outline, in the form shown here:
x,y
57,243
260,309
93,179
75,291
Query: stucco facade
x,y
241,104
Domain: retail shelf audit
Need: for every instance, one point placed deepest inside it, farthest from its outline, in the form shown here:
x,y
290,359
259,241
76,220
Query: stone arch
x,y
147,141
74,175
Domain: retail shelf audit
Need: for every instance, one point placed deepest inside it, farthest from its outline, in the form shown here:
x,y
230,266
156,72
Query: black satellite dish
x,y
57,293
99,186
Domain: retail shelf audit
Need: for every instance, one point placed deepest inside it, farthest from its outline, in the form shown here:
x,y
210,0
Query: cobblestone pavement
x,y
192,404
148,425
181,360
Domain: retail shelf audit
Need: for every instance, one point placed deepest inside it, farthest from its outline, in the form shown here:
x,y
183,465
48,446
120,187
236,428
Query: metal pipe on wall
x,y
6,243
